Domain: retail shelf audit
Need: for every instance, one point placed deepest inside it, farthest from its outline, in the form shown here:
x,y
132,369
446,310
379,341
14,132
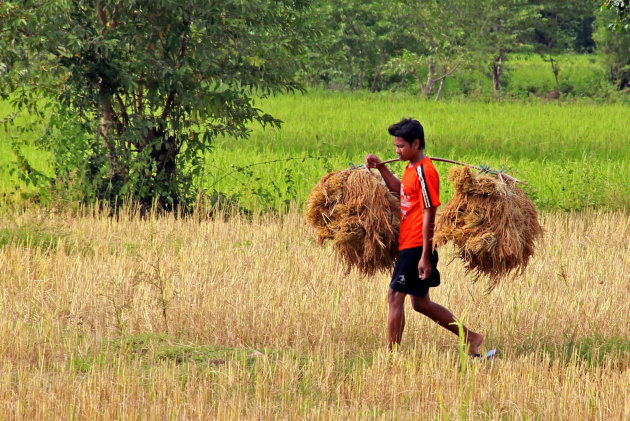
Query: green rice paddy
x,y
573,154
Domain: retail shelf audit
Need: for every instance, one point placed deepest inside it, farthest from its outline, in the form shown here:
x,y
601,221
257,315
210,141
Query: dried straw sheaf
x,y
492,222
361,217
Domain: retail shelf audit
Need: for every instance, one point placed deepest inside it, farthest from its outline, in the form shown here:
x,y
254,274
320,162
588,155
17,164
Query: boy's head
x,y
409,130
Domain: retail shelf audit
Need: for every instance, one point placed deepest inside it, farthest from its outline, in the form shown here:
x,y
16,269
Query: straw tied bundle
x,y
490,220
361,217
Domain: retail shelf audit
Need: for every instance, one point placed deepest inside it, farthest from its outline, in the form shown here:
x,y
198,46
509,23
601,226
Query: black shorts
x,y
406,278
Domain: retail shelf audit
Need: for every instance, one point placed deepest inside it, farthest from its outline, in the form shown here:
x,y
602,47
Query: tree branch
x,y
415,75
102,14
182,50
447,74
123,113
115,16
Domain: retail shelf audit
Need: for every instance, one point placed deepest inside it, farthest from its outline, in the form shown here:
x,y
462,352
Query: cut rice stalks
x,y
361,217
492,222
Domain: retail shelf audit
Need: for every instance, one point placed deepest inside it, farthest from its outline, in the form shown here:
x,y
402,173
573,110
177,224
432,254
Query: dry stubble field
x,y
170,318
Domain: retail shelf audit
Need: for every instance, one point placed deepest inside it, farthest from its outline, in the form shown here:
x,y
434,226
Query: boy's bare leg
x,y
442,316
396,317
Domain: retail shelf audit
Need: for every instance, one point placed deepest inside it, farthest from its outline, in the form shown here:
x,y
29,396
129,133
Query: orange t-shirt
x,y
419,189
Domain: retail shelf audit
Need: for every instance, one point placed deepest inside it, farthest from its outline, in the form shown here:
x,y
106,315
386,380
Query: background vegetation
x,y
573,154
124,99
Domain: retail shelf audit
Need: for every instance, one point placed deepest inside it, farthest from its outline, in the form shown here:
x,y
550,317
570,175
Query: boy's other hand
x,y
372,161
424,268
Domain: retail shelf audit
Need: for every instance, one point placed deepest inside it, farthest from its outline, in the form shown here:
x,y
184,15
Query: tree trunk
x,y
361,77
497,71
399,84
376,76
163,155
428,87
106,122
351,68
624,80
415,75
378,71
556,69
439,92
106,108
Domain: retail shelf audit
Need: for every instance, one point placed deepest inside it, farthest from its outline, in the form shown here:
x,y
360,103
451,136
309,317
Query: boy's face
x,y
404,150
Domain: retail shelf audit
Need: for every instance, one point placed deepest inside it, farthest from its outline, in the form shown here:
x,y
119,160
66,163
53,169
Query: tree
x,y
557,29
620,7
445,39
357,38
615,45
150,82
502,28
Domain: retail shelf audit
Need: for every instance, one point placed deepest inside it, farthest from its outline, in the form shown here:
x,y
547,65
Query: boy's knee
x,y
395,298
420,304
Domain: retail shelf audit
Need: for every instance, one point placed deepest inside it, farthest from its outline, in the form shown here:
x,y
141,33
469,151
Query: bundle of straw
x,y
491,221
361,217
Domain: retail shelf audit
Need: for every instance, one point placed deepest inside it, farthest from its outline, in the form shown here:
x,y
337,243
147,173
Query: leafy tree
x,y
615,45
502,27
356,38
620,7
557,29
137,89
440,36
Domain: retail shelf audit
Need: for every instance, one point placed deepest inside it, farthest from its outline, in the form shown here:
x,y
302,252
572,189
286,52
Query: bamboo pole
x,y
500,174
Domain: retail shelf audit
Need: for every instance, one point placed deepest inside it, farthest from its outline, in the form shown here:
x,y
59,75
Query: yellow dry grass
x,y
235,319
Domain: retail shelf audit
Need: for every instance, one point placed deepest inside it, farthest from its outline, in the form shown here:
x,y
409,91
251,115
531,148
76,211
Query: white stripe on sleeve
x,y
423,187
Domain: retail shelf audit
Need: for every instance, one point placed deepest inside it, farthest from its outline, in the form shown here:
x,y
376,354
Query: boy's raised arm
x,y
393,183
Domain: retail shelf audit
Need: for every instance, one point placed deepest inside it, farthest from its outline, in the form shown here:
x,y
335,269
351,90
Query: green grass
x,y
31,236
151,349
43,236
581,75
594,349
573,154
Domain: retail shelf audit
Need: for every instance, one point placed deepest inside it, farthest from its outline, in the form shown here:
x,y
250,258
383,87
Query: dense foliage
x,y
133,92
420,44
139,88
620,7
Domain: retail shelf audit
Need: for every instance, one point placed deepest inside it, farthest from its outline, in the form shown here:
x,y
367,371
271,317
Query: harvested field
x,y
231,318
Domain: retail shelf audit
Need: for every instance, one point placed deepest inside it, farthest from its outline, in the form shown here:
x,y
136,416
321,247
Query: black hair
x,y
408,129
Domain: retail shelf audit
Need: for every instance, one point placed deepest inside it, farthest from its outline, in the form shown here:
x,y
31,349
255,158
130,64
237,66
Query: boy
x,y
416,267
